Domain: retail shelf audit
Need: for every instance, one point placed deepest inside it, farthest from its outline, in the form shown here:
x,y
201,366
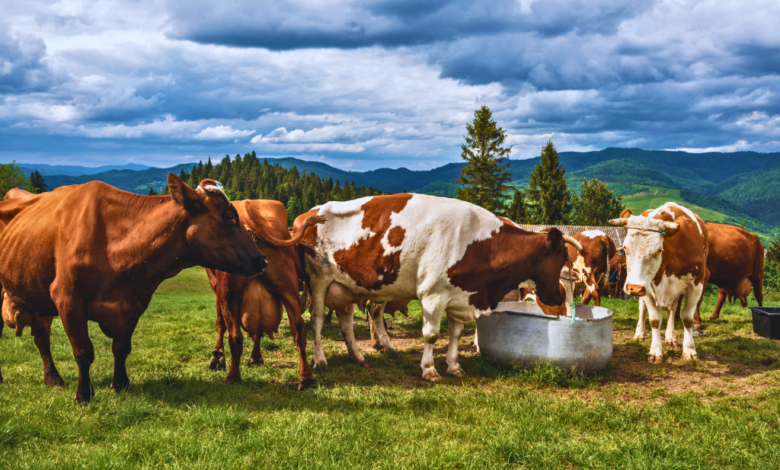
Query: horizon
x,y
384,84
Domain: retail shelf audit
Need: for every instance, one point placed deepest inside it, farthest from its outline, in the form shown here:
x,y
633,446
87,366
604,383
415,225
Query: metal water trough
x,y
518,333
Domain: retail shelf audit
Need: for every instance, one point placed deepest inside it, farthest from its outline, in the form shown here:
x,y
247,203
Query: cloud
x,y
23,66
221,133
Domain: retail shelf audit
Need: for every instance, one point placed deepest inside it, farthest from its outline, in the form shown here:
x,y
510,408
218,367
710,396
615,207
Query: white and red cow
x,y
453,256
591,265
666,257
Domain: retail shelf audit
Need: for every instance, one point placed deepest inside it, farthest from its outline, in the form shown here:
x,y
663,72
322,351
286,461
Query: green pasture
x,y
654,197
721,411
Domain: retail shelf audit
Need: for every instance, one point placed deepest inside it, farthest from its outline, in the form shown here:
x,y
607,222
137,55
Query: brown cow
x,y
591,266
93,252
256,303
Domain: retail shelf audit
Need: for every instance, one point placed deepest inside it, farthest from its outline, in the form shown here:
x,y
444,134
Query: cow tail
x,y
757,276
297,236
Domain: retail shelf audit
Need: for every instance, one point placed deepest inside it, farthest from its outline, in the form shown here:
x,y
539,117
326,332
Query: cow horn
x,y
572,242
621,221
671,225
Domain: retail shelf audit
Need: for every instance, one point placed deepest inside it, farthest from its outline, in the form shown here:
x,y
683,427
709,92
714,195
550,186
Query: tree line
x,y
546,200
248,177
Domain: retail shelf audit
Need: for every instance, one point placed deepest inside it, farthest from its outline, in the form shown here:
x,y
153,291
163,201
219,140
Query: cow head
x,y
548,271
644,249
215,237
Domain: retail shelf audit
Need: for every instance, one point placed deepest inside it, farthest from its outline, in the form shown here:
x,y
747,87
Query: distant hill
x,y
72,170
732,186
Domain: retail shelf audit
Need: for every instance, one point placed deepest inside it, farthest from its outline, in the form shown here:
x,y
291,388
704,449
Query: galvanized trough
x,y
518,333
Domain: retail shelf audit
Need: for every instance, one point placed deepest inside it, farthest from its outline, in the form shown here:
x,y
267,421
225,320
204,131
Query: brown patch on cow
x,y
365,261
493,267
396,236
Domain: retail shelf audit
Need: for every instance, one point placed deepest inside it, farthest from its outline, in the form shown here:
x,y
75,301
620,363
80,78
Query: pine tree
x,y
37,183
152,192
484,175
293,210
517,211
549,199
596,204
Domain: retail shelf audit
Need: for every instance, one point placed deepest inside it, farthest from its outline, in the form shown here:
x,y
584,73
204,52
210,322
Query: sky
x,y
366,84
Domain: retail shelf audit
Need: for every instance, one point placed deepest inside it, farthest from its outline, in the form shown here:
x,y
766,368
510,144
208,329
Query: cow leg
x,y
235,339
218,354
456,330
345,321
432,310
656,355
378,331
758,288
596,296
585,297
256,358
640,324
721,301
329,317
75,324
42,337
317,309
298,330
689,349
669,340
121,348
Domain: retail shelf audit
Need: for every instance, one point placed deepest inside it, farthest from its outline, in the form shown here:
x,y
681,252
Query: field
x,y
655,197
722,410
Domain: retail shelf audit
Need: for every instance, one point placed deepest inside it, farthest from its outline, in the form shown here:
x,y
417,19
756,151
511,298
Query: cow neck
x,y
148,237
522,253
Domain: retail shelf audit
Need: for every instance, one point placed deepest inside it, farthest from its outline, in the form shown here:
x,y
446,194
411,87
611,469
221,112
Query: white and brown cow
x,y
666,257
453,256
591,265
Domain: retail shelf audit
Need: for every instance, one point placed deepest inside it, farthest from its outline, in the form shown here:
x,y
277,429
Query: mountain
x,y
71,170
732,187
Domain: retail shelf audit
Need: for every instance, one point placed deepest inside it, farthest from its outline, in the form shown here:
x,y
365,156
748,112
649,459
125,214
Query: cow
x,y
453,256
617,277
94,252
255,303
735,263
591,265
666,256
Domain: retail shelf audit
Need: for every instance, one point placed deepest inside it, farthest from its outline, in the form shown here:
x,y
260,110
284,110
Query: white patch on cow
x,y
669,207
527,284
593,234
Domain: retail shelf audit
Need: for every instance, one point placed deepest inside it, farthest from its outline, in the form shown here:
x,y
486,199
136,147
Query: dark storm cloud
x,y
351,24
22,65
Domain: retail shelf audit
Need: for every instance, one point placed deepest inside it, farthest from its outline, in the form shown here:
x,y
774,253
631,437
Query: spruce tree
x,y
517,211
152,192
482,179
549,198
596,204
37,183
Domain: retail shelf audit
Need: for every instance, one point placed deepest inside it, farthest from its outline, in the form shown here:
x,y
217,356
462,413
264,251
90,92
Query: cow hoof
x,y
639,336
230,379
378,346
696,326
306,383
364,364
256,362
670,343
217,360
457,372
121,385
689,356
320,363
431,375
655,359
53,380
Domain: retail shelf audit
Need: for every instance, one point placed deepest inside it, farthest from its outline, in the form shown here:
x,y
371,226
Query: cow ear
x,y
554,240
626,214
183,194
673,227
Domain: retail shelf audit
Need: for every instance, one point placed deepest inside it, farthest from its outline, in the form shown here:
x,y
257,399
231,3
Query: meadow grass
x,y
654,197
722,410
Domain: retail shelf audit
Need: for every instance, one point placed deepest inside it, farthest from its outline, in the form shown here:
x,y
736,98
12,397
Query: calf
x,y
591,265
93,252
666,256
256,303
453,256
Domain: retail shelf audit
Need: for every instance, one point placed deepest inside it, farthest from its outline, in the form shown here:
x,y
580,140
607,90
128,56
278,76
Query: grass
x,y
722,410
654,197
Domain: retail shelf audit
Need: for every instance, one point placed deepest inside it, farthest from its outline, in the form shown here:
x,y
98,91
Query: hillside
x,y
731,186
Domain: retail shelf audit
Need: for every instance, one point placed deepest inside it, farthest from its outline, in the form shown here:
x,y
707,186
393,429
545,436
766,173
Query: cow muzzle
x,y
633,289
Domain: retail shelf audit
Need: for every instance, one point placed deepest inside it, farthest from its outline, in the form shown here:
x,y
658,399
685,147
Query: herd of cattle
x,y
94,253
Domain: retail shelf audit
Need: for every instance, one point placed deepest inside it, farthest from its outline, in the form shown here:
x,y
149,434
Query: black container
x,y
766,321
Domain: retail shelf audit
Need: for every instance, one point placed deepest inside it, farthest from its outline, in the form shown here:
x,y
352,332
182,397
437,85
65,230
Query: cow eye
x,y
229,217
660,250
